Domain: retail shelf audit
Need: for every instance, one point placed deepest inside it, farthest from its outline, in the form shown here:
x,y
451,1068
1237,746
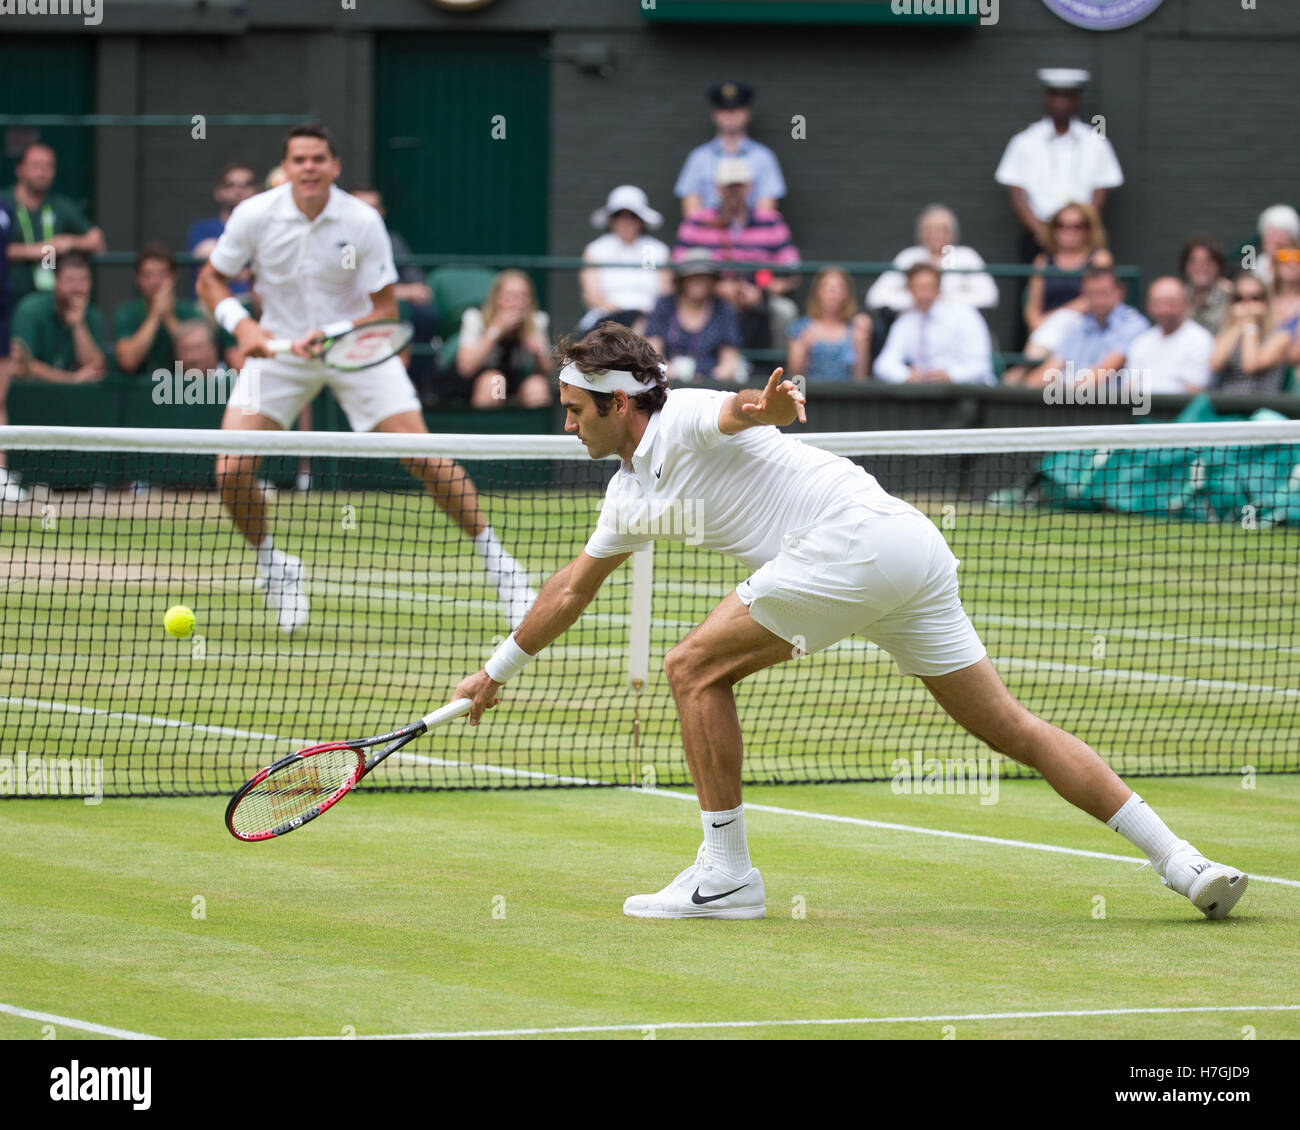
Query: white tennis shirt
x,y
687,481
308,273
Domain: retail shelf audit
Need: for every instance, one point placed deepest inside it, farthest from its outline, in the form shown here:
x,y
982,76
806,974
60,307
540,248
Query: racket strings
x,y
296,789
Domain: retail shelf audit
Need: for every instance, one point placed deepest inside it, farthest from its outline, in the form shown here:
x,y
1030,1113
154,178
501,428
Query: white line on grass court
x,y
675,1025
914,829
80,1025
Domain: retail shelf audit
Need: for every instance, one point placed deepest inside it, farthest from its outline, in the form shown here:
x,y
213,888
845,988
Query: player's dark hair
x,y
922,269
611,346
312,129
154,251
71,259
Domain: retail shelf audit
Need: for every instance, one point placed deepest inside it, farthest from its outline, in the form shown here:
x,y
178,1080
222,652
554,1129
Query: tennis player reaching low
x,y
323,259
832,554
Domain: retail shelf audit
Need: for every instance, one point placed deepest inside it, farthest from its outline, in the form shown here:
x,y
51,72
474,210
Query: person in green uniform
x,y
146,328
59,336
46,226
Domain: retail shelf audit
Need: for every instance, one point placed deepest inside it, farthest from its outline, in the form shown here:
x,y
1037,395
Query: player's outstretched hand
x,y
482,691
251,339
779,404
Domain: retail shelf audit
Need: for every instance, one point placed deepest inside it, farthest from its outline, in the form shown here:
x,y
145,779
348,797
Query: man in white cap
x,y
630,268
1056,161
832,554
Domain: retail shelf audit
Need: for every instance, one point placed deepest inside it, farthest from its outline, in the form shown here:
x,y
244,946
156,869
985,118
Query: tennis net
x,y
1134,585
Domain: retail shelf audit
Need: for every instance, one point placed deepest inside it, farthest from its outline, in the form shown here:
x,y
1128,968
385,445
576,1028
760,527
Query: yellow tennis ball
x,y
179,621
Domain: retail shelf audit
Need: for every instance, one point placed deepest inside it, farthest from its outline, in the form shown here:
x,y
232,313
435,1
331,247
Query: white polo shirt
x,y
687,481
1175,363
1056,170
308,273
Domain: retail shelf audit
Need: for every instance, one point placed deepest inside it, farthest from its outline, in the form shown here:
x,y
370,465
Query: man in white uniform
x,y
832,554
1056,161
323,263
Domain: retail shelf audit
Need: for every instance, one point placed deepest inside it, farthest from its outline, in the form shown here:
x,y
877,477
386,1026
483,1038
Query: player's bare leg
x,y
454,493
280,574
702,670
976,697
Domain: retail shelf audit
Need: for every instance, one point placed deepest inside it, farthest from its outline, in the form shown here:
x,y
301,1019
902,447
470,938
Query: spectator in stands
x,y
145,327
59,336
696,185
625,293
10,491
1055,161
504,348
196,347
235,184
1250,353
937,233
935,341
1173,356
736,233
43,221
1284,290
275,177
694,329
1208,292
1279,226
1054,305
1096,348
832,342
415,295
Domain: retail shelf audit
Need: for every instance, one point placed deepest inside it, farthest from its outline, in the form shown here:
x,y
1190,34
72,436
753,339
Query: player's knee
x,y
232,470
682,667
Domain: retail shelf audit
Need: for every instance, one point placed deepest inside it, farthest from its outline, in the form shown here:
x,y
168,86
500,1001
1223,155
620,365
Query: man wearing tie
x,y
935,341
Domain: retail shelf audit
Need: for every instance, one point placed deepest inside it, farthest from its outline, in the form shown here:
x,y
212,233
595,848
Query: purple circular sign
x,y
1103,15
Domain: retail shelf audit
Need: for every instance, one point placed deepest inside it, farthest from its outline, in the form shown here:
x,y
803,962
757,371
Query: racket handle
x,y
279,345
453,709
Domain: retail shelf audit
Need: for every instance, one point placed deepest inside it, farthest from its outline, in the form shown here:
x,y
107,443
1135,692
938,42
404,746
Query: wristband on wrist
x,y
229,313
507,661
334,329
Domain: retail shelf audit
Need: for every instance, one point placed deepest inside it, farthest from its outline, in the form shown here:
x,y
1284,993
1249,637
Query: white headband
x,y
605,380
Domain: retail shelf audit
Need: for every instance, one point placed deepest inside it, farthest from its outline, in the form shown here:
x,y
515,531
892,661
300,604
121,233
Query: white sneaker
x,y
702,891
284,593
516,597
1213,888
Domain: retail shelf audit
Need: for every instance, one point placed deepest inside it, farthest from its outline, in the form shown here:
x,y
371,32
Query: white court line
x,y
82,1025
916,830
150,719
675,1025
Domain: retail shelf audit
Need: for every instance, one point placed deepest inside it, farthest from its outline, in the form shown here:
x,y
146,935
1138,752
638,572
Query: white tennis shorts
x,y
891,578
278,387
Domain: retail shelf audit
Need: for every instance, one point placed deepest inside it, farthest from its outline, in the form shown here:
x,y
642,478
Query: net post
x,y
638,641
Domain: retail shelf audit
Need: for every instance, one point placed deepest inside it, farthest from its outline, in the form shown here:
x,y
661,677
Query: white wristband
x,y
334,329
229,313
507,661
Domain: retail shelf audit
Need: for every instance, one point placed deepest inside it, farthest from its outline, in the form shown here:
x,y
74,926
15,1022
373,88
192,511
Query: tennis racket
x,y
360,347
298,788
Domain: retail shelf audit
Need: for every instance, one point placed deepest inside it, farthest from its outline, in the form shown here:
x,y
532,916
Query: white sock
x,y
1144,830
268,557
727,846
496,561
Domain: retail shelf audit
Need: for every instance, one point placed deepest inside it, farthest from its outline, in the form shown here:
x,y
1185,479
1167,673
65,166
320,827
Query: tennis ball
x,y
179,621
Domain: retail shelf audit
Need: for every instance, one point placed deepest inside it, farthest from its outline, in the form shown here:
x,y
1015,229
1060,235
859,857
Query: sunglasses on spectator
x,y
1078,225
238,183
1253,296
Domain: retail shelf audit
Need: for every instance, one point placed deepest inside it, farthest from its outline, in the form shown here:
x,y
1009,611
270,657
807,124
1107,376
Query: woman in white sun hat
x,y
626,291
